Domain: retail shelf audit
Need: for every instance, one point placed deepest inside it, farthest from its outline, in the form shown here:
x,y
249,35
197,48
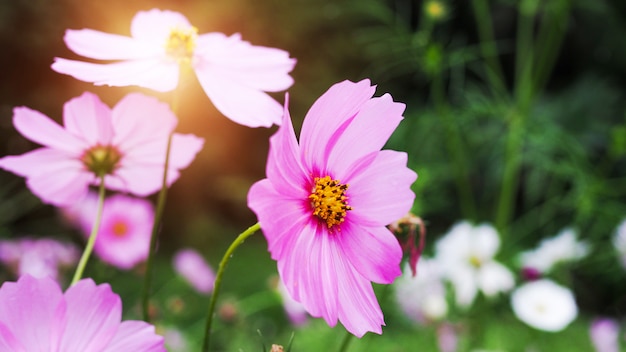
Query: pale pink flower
x,y
125,144
125,229
295,311
326,201
233,73
37,257
604,333
35,315
422,297
190,264
619,241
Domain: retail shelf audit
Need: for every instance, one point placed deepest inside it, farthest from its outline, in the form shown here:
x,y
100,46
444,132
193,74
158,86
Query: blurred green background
x,y
515,116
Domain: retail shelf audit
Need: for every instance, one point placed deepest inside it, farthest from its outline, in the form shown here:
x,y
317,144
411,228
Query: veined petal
x,y
88,117
156,25
156,74
284,168
105,46
368,133
139,119
243,104
32,308
359,311
93,316
8,342
374,252
136,336
327,118
41,129
257,67
379,193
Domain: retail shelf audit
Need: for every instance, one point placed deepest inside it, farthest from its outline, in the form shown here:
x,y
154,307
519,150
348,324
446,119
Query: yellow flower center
x,y
120,229
475,261
181,44
329,201
101,159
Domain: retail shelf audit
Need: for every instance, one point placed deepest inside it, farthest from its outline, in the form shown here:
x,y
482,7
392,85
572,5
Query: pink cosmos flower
x,y
125,230
326,201
191,265
125,144
41,257
233,73
35,315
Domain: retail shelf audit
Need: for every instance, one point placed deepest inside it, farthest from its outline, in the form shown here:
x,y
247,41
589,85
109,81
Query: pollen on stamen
x,y
181,43
329,201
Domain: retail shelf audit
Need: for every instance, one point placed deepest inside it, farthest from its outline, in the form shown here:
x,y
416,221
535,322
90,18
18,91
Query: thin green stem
x,y
218,280
92,237
346,342
488,47
147,279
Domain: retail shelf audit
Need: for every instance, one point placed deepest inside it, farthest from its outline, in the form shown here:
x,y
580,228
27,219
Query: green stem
x,y
487,44
346,342
147,279
218,280
92,237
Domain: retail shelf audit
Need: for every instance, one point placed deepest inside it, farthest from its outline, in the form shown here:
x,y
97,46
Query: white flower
x,y
619,241
544,305
563,247
466,255
422,297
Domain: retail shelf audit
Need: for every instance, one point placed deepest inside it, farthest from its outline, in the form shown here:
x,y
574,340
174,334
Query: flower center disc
x,y
101,159
181,43
329,200
120,229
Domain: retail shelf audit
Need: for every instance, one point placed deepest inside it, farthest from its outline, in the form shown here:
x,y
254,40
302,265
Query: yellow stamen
x,y
101,159
329,201
120,229
181,44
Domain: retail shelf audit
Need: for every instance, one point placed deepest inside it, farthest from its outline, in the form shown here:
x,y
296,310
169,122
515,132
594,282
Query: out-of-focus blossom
x,y
563,247
175,341
447,338
604,335
37,257
295,310
466,254
619,241
35,315
125,145
422,297
189,264
125,229
326,201
544,305
233,73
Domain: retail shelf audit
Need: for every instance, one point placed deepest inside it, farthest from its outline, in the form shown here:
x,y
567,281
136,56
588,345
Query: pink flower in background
x,y
422,298
604,335
125,144
190,264
124,236
326,201
38,257
295,311
35,315
233,73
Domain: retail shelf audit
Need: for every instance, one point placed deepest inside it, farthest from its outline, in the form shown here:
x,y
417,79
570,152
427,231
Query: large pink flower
x,y
124,236
35,315
325,203
125,144
233,73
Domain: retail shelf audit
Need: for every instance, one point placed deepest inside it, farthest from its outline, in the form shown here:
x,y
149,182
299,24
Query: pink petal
x,y
140,180
89,118
105,46
257,67
33,310
284,168
93,316
359,311
184,149
8,342
374,252
41,129
139,119
51,175
380,193
327,119
368,133
136,336
155,25
156,74
243,104
192,266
